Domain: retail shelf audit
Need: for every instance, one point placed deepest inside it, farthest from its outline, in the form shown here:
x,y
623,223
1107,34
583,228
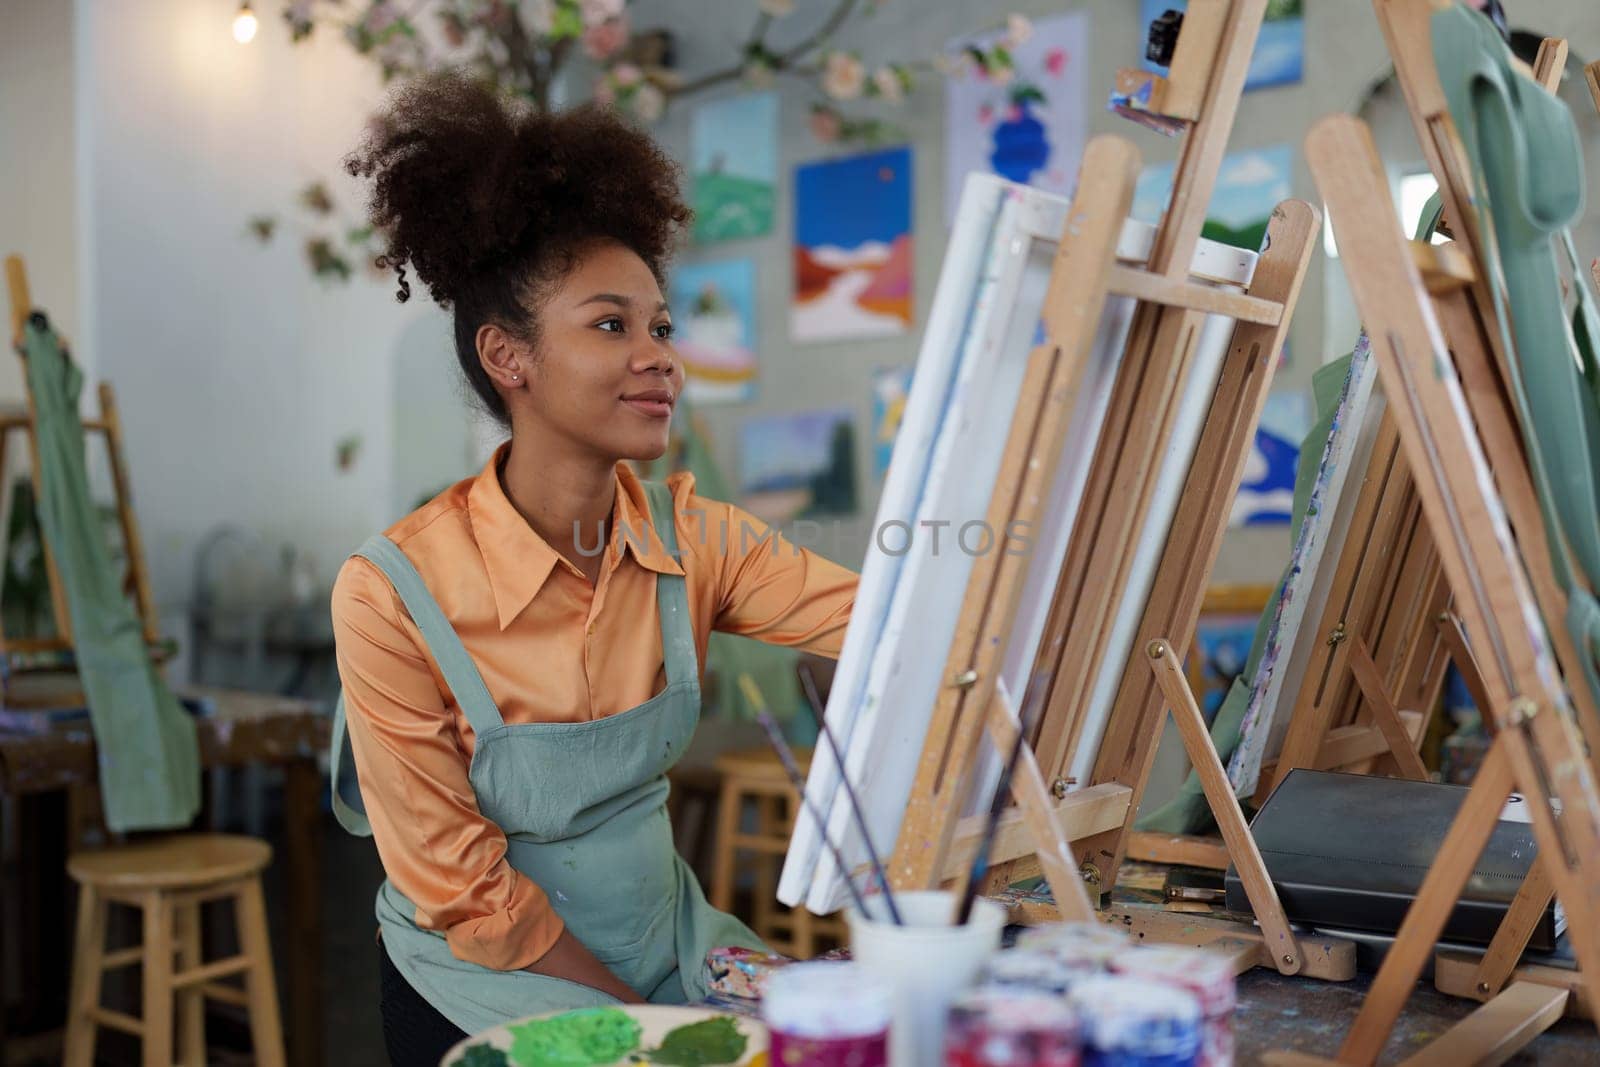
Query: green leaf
x,y
700,1044
1027,93
568,22
482,1056
1002,56
575,1039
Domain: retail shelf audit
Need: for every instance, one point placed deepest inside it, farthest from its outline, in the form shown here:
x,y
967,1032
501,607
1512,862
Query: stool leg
x,y
266,1029
727,825
763,910
802,931
157,966
191,999
88,949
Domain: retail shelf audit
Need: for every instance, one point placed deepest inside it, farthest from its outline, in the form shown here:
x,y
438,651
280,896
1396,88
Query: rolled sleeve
x,y
436,846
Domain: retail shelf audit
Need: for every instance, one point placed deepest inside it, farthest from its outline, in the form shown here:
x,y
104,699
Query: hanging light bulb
x,y
244,24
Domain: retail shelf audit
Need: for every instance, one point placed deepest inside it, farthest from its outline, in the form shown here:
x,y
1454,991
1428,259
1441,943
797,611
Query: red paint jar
x,y
827,1015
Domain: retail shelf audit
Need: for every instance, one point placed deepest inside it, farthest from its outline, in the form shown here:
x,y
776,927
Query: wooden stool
x,y
168,879
756,775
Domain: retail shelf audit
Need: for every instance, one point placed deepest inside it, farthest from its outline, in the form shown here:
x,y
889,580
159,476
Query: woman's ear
x,y
505,358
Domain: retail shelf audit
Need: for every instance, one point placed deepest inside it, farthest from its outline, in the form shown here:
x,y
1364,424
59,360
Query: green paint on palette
x,y
575,1039
482,1056
702,1044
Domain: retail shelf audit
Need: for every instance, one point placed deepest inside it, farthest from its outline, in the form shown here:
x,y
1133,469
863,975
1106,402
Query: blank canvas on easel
x,y
949,452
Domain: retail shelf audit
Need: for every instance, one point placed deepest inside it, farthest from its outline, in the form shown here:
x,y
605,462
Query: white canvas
x,y
944,468
957,292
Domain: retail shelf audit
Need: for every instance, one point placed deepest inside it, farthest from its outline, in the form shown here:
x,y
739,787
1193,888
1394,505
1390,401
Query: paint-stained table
x,y
40,767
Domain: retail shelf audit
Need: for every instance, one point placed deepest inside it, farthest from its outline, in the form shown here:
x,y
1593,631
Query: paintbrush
x,y
786,757
815,701
980,861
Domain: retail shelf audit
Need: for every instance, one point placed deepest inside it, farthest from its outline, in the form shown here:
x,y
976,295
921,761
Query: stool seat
x,y
761,763
167,880
179,861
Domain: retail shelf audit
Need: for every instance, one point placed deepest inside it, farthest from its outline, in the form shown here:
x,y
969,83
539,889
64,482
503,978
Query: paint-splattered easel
x,y
1078,836
1440,362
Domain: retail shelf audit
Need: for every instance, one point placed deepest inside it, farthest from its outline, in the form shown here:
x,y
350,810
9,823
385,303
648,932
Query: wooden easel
x,y
53,653
1076,837
1390,624
1537,749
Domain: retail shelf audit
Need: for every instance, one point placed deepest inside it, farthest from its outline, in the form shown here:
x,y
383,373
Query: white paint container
x,y
927,962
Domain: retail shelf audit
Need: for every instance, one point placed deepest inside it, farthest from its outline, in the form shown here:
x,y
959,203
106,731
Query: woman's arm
x,y
769,588
569,959
436,846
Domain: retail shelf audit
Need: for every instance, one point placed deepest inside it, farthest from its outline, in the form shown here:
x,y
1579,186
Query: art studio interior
x,y
811,533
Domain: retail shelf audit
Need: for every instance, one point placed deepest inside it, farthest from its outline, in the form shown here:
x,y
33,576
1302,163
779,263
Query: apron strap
x,y
444,644
672,598
460,674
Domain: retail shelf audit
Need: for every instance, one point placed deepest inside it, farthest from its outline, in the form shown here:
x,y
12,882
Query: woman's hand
x,y
568,958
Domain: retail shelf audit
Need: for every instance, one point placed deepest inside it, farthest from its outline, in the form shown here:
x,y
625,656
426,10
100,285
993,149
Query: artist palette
x,y
663,1037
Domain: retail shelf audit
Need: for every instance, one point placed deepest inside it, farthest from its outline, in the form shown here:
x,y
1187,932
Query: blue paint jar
x,y
1133,1022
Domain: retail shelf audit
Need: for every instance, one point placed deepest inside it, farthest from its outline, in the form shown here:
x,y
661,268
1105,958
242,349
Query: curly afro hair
x,y
491,203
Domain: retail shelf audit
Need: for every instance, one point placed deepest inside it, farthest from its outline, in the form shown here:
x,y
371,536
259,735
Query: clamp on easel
x,y
53,653
1187,44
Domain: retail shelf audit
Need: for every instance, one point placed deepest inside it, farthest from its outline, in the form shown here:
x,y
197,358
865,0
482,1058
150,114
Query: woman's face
x,y
606,375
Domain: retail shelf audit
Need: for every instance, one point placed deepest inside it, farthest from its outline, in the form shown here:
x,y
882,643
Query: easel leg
x,y
1033,797
1512,937
1384,715
1258,886
1425,919
1455,639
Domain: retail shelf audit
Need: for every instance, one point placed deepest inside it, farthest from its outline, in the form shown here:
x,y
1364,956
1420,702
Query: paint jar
x,y
1082,948
928,962
827,1015
1133,1022
1032,970
1208,976
998,1027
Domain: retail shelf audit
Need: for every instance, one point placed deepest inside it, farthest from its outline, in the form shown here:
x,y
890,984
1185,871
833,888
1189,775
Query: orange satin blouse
x,y
551,648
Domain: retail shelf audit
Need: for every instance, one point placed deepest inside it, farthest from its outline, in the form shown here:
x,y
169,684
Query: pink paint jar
x,y
1208,976
827,1015
1009,1027
1084,948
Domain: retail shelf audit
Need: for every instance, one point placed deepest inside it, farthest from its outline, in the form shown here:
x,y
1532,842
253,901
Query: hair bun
x,y
465,181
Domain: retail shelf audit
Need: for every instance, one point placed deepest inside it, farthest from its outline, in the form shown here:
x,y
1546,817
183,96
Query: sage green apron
x,y
583,808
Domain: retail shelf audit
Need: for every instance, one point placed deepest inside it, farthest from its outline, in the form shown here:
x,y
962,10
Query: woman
x,y
511,744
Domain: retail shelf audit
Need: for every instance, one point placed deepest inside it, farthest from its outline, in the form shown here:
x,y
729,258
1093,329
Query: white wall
x,y
37,213
237,372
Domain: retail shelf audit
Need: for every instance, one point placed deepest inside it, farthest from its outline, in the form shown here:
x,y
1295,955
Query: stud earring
x,y
515,378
